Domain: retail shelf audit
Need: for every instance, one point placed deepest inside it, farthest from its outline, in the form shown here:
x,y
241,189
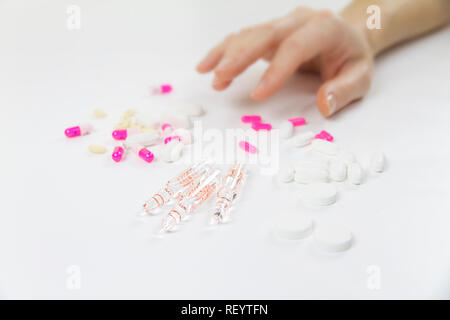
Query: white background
x,y
61,206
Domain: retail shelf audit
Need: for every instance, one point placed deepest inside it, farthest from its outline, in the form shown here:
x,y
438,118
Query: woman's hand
x,y
306,40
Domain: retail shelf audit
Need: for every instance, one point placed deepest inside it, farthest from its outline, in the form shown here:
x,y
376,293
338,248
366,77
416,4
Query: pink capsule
x,y
244,145
146,155
297,121
161,89
324,136
122,134
77,131
251,118
168,139
118,153
261,126
166,129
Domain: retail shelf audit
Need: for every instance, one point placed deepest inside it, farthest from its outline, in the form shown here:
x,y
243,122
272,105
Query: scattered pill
x,y
319,194
324,136
168,139
118,153
302,139
185,135
99,113
297,121
325,147
129,113
160,89
77,131
355,173
145,139
251,118
172,151
338,170
332,238
286,174
287,127
294,226
122,134
377,162
146,155
261,126
96,148
246,146
310,175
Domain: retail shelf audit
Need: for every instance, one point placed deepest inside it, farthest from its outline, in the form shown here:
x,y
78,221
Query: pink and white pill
x,y
146,155
297,121
118,153
161,89
324,135
251,118
122,134
168,139
77,131
261,126
247,147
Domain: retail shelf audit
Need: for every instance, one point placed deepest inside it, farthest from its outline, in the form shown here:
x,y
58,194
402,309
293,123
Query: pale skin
x,y
340,48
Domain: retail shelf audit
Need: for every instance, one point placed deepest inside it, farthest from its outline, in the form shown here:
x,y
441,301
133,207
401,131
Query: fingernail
x,y
331,103
224,63
216,82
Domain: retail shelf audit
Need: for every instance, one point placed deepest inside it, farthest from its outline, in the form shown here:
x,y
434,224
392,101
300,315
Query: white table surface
x,y
61,206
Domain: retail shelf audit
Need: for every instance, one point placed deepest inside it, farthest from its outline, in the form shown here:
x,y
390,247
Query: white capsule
x,y
310,175
377,162
145,139
338,170
325,147
355,173
286,129
286,174
294,226
332,238
319,194
302,139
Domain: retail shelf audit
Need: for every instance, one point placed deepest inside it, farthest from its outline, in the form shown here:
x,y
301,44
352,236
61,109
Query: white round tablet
x,y
338,170
286,174
377,162
326,147
319,194
286,129
332,238
294,226
355,173
309,175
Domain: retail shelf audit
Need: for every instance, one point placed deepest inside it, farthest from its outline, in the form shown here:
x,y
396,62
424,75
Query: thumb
x,y
351,83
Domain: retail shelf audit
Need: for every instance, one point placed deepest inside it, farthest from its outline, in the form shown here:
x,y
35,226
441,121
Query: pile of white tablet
x,y
326,163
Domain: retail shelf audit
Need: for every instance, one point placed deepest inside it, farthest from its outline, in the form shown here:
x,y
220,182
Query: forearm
x,y
401,20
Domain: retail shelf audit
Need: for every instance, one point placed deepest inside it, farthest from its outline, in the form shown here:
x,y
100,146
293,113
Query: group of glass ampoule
x,y
187,191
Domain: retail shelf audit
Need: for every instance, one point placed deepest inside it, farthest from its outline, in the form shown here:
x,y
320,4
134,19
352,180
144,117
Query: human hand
x,y
305,40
